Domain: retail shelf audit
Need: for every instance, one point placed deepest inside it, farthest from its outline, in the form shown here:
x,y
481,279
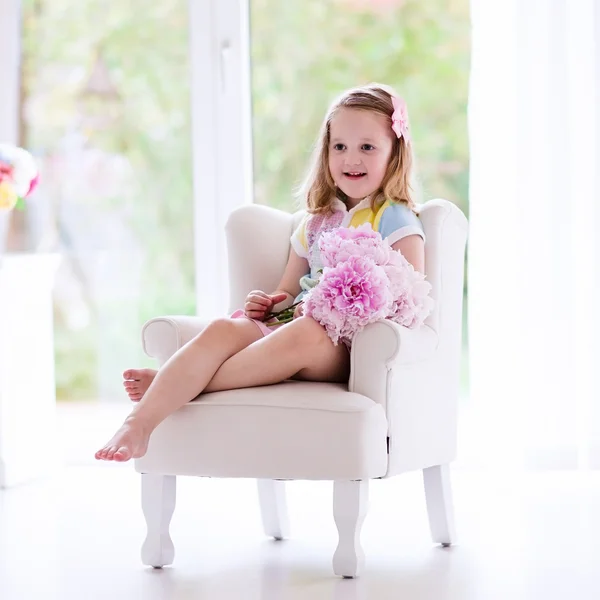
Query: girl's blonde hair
x,y
319,189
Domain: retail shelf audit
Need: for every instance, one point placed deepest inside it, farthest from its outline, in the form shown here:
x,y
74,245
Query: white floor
x,y
77,536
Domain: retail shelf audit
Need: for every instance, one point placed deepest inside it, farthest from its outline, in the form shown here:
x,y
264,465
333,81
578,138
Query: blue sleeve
x,y
397,222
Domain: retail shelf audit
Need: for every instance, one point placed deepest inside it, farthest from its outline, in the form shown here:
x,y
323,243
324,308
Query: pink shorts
x,y
263,328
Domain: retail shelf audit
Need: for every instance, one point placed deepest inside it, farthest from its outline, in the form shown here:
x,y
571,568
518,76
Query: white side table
x,y
28,447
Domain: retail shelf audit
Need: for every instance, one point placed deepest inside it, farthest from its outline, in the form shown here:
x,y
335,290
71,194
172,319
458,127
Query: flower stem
x,y
281,321
285,310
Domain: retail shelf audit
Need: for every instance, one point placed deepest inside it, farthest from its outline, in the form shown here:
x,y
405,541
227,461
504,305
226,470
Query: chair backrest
x,y
446,230
258,242
258,246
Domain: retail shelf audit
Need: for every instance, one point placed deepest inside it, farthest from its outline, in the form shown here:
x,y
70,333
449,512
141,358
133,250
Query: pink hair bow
x,y
400,119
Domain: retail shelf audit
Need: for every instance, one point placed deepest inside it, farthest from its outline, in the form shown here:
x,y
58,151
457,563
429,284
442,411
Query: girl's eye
x,y
368,147
338,147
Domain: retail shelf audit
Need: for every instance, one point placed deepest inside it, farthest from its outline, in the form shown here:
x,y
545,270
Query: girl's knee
x,y
222,324
310,332
235,333
221,327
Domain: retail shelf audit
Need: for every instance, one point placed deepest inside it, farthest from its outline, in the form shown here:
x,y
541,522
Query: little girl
x,y
360,173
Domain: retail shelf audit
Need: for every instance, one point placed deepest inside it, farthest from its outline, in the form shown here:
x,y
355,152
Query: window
x,y
105,105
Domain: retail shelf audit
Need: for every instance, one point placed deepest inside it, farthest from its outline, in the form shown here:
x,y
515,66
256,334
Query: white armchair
x,y
398,412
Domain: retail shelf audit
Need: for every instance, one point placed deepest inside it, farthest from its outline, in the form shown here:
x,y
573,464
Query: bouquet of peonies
x,y
365,280
18,176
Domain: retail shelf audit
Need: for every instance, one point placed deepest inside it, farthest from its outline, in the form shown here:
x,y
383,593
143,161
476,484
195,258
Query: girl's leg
x,y
302,350
332,367
180,380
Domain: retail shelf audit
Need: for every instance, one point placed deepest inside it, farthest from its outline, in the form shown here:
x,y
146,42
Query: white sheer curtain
x,y
534,255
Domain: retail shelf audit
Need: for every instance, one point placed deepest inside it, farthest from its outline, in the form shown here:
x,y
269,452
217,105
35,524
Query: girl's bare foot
x,y
137,381
130,441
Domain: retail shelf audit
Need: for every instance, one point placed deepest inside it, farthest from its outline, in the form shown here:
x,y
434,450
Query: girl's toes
x,y
122,454
128,374
111,453
135,397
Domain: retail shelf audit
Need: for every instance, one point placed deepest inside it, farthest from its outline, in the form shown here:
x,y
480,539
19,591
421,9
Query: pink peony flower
x,y
412,302
348,297
364,231
412,307
340,244
365,280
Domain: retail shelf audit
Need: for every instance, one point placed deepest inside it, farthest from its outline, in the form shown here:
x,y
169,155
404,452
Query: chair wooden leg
x,y
438,494
158,504
273,508
350,503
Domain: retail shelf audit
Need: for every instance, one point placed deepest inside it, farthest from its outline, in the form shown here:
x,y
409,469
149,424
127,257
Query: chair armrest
x,y
382,346
163,336
413,378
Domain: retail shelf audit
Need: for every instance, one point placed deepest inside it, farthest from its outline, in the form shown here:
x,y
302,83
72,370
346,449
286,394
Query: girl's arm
x,y
289,284
412,247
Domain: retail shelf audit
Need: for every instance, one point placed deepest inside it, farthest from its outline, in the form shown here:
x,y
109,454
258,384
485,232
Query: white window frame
x,y
10,61
221,138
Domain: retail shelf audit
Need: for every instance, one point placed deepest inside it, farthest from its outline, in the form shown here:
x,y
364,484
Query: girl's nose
x,y
352,160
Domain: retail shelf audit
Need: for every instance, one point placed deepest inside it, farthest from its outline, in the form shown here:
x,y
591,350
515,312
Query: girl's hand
x,y
259,304
299,310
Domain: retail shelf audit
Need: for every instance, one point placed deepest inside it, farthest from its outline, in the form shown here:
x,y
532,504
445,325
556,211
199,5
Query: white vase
x,y
27,383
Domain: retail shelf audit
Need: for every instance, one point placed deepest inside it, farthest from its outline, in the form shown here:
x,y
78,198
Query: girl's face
x,y
360,146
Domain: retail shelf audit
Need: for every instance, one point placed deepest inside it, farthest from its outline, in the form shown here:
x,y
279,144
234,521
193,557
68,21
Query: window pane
x,y
106,111
305,52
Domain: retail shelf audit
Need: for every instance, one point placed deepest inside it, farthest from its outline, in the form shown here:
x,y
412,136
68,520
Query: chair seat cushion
x,y
291,430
